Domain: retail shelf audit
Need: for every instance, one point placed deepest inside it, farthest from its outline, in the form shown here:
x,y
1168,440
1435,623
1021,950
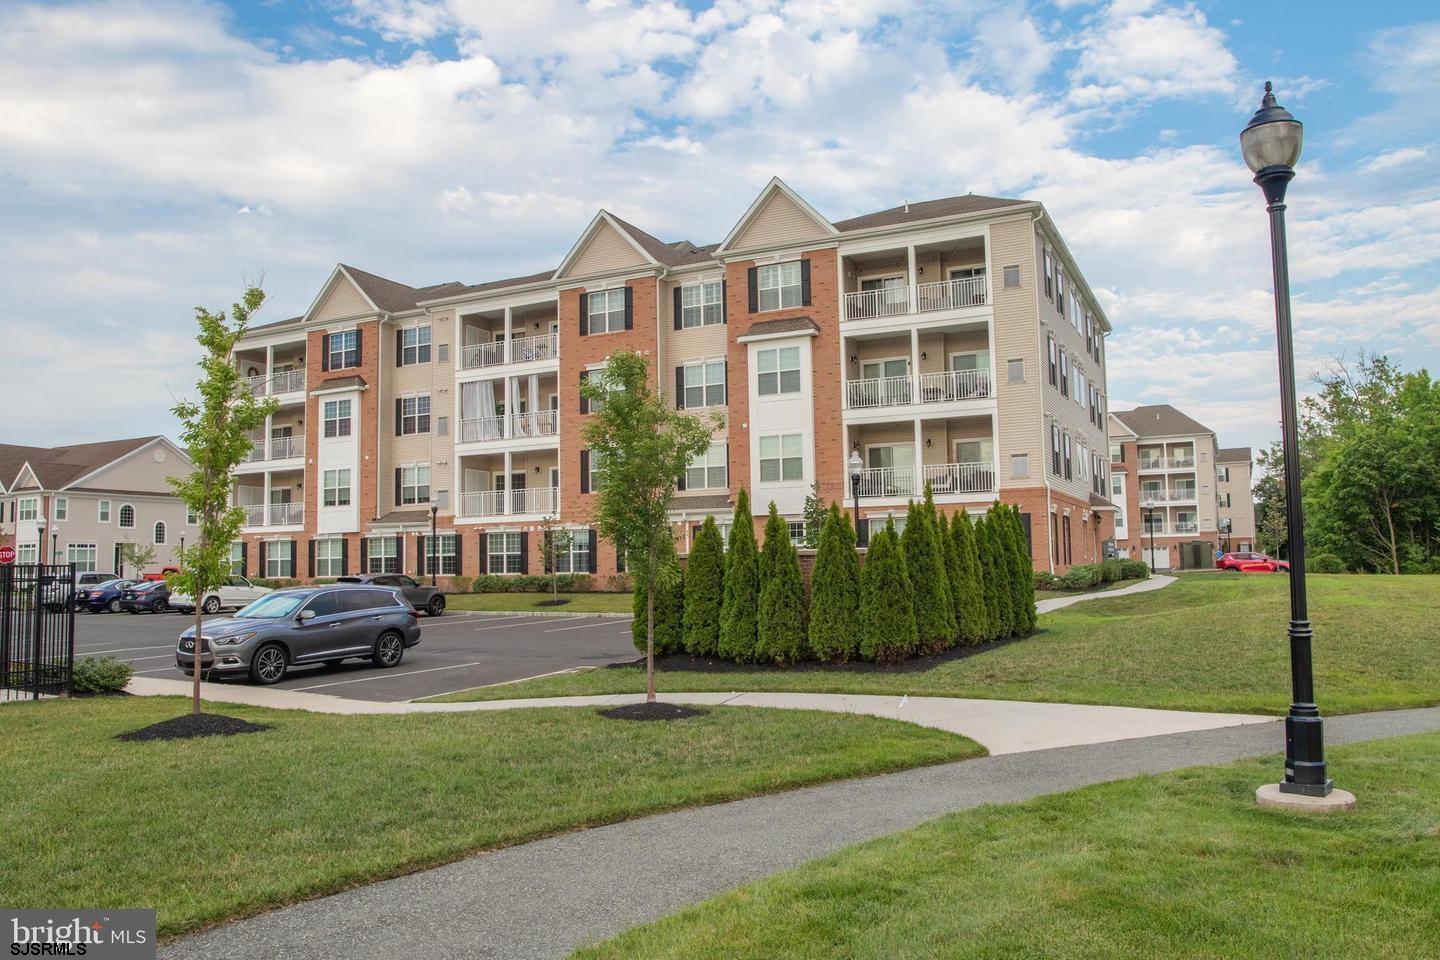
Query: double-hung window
x,y
1055,450
277,558
441,550
778,370
700,305
415,414
343,350
336,416
329,558
82,555
415,484
796,529
1053,360
103,511
28,553
781,458
1049,277
577,558
29,508
1060,291
1069,455
337,488
705,384
778,285
414,345
606,310
237,559
708,471
503,553
62,508
382,555
1064,373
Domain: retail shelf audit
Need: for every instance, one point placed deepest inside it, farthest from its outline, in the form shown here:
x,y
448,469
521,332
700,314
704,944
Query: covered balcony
x,y
916,279
1166,456
520,484
523,408
273,371
282,438
934,366
493,338
954,456
272,499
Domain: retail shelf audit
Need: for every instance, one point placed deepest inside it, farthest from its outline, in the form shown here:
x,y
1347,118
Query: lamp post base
x,y
1273,796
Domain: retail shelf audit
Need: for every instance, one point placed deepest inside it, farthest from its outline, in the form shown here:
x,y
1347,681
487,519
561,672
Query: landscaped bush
x,y
972,614
1044,580
1134,570
742,587
669,614
276,583
887,601
993,579
525,583
934,611
100,675
1091,575
704,591
780,626
616,583
1325,563
835,592
459,584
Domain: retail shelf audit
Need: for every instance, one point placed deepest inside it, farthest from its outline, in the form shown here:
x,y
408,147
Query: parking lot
x,y
456,651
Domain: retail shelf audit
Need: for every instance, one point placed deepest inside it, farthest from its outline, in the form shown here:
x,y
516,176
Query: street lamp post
x,y
54,542
856,465
1271,144
1149,506
40,538
434,544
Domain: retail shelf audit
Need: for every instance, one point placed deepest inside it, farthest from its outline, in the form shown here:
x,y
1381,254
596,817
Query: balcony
x,y
475,356
946,386
944,479
539,423
286,381
279,448
535,501
1166,463
1178,495
900,300
274,514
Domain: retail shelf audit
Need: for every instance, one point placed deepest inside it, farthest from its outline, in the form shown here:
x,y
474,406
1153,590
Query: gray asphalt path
x,y
542,899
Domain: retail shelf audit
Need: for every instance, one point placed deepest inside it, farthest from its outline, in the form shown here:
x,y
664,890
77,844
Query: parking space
x,y
456,651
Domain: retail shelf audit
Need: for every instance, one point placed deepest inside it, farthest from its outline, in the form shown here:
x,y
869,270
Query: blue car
x,y
102,596
304,625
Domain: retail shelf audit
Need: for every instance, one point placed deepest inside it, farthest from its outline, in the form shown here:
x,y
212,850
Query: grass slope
x,y
579,602
322,802
1182,865
1212,642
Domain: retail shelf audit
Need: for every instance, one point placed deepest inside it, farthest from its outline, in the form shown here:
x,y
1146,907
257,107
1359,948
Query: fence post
x,y
70,632
38,639
7,587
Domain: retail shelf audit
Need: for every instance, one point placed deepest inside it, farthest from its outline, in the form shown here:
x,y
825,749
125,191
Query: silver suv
x,y
300,626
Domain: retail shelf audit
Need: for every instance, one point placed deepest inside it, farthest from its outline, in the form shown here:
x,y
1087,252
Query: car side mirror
x,y
306,615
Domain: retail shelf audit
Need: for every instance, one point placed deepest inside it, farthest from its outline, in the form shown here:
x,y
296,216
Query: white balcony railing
x,y
1166,463
878,392
959,478
941,387
950,294
923,298
870,304
495,503
482,428
257,452
539,500
279,448
1186,526
538,423
546,346
255,386
474,355
950,385
254,514
287,381
286,514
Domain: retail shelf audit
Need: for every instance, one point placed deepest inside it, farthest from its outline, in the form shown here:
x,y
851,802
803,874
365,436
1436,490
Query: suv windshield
x,y
271,607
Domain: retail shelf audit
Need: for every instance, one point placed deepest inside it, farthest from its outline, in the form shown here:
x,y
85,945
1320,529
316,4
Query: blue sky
x,y
154,156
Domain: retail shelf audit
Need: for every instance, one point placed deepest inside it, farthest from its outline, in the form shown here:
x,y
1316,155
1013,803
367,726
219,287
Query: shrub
x,y
934,611
1044,580
275,583
742,587
971,612
1134,570
459,584
669,613
704,591
1325,563
525,583
100,675
989,580
780,627
887,605
615,583
835,591
1022,572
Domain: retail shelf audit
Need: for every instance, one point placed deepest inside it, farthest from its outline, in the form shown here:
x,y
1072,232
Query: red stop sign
x,y
7,555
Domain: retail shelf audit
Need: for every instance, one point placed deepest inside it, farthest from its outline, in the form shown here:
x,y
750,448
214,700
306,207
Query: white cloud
x,y
1390,159
1136,52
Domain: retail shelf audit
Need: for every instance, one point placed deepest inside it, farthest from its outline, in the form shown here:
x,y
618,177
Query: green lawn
x,y
1207,642
1183,865
578,602
1103,588
323,802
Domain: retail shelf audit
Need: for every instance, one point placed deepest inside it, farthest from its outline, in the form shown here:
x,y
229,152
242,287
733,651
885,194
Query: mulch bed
x,y
651,711
560,602
192,725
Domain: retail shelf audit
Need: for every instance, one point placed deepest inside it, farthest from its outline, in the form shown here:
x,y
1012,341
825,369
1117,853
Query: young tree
x,y
934,611
814,514
972,617
887,601
780,628
742,587
137,555
641,445
704,591
216,430
557,542
669,630
835,591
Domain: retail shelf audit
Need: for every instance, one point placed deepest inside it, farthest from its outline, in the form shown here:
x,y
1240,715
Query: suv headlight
x,y
234,639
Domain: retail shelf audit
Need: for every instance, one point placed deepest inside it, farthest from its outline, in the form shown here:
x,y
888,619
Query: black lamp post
x,y
54,543
434,544
1150,528
856,465
1271,144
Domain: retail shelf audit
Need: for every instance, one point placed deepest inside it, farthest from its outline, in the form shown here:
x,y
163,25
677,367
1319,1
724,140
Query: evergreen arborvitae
x,y
742,587
887,606
780,629
972,618
1003,566
835,592
934,613
951,557
669,613
704,591
989,580
1022,576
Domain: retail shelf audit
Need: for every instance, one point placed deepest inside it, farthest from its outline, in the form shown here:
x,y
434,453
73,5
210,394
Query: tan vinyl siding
x,y
343,300
140,471
606,251
779,221
1015,337
436,378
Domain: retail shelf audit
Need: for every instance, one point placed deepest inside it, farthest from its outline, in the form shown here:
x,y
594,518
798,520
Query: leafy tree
x,y
216,431
887,602
704,591
835,591
136,555
934,611
669,610
557,541
780,628
642,445
972,616
814,514
738,613
1271,534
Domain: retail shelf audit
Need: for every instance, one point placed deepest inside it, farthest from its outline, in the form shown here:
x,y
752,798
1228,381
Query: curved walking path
x,y
1155,582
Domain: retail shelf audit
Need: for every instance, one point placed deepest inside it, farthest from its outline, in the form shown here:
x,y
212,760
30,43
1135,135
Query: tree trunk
x,y
1394,553
195,664
650,629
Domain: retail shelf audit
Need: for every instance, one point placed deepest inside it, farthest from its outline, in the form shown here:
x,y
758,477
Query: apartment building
x,y
81,504
1175,486
952,342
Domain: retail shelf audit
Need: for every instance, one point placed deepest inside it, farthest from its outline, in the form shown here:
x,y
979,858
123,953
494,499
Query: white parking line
x,y
603,623
385,676
163,656
499,625
161,670
158,646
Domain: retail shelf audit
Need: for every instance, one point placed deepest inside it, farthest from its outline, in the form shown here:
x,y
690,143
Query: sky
x,y
158,156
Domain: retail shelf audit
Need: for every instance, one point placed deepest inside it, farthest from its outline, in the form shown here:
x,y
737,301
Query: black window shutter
x,y
398,416
325,351
862,533
397,486
629,307
524,552
400,552
584,400
680,482
584,471
548,544
399,348
725,380
678,310
292,558
584,314
244,558
619,559
754,289
310,559
459,558
724,303
422,554
1029,542
359,346
594,548
805,283
364,554
484,554
263,545
679,388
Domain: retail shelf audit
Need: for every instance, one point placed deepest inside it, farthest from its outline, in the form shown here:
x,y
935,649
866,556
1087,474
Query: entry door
x,y
884,390
517,492
1159,557
899,459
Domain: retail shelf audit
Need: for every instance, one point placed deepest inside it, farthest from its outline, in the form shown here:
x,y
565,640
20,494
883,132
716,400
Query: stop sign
x,y
7,555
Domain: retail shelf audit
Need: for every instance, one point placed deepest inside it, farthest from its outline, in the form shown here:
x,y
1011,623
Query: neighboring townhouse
x,y
1175,486
952,342
81,504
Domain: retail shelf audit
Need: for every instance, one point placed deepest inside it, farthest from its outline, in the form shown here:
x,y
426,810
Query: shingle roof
x,y
273,324
405,516
1233,455
393,297
341,383
1160,420
783,325
54,467
926,210
1098,502
676,254
708,501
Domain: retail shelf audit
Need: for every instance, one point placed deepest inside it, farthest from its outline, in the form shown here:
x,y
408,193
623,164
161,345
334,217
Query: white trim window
x,y
705,384
796,529
27,553
102,511
777,371
329,558
158,533
337,488
415,414
415,484
382,555
980,450
709,471
444,555
277,559
237,559
778,285
62,508
83,555
595,464
191,517
127,516
1049,276
700,304
577,558
414,345
336,418
343,349
29,508
606,310
781,458
502,553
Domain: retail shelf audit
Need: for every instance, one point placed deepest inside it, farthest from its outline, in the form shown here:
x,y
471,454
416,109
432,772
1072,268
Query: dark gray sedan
x,y
421,596
301,626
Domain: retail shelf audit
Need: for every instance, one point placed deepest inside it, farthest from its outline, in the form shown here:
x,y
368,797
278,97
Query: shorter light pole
x,y
54,543
40,538
856,465
1150,524
434,545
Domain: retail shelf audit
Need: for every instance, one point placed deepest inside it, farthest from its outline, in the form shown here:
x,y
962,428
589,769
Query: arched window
x,y
127,515
160,531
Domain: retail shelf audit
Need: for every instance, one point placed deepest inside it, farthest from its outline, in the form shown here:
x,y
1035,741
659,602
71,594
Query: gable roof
x,y
926,210
597,223
776,185
57,467
1160,420
391,296
1233,455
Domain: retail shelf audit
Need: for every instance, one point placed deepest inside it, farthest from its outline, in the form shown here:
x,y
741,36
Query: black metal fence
x,y
37,630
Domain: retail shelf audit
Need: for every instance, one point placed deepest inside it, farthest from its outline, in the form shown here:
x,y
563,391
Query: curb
x,y
533,613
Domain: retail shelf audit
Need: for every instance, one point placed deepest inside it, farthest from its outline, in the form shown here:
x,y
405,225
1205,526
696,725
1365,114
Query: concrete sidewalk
x,y
542,899
1001,726
1156,582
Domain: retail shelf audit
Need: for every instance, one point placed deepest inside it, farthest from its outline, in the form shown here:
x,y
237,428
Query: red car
x,y
1251,563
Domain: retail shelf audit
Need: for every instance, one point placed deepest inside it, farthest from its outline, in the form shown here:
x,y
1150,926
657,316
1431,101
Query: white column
x,y
919,488
914,363
914,279
269,368
266,439
509,335
265,501
509,493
